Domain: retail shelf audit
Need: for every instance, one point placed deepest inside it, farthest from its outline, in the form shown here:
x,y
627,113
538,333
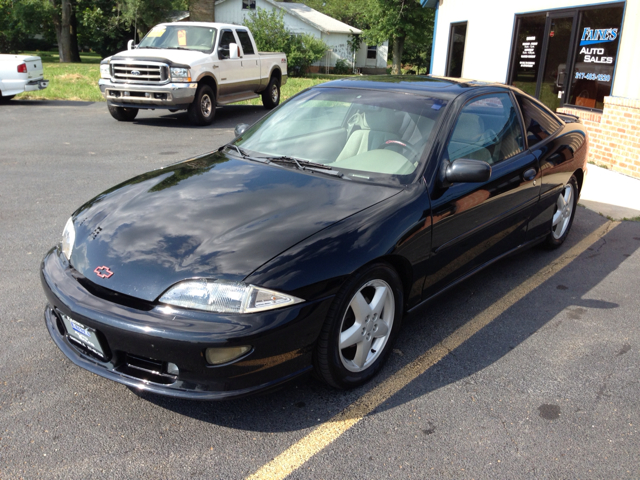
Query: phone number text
x,y
601,77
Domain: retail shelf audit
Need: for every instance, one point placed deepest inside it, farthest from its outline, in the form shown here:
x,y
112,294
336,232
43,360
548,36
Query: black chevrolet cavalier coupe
x,y
300,245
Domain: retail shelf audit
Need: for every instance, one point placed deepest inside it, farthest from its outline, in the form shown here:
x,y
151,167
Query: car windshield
x,y
364,134
180,37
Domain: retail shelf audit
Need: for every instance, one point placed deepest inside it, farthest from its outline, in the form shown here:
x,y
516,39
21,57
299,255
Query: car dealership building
x,y
577,56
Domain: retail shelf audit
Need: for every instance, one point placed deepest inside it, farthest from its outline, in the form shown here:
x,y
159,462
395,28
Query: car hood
x,y
214,216
173,55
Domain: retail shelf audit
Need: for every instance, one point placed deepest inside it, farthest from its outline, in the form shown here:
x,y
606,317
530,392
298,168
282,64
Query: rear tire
x,y
123,114
202,110
271,96
6,98
360,327
563,214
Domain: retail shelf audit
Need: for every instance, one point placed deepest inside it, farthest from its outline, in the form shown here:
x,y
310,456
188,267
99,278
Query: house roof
x,y
312,17
322,22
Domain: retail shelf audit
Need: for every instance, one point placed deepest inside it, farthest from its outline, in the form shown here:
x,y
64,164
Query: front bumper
x,y
169,95
135,334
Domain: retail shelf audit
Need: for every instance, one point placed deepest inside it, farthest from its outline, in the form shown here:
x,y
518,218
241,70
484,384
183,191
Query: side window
x,y
487,129
245,41
226,39
539,123
248,4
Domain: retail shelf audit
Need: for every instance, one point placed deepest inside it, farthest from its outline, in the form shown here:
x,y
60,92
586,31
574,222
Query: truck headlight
x,y
68,238
105,70
225,297
180,74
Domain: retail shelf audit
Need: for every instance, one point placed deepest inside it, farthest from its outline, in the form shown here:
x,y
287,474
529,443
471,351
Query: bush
x,y
342,67
271,35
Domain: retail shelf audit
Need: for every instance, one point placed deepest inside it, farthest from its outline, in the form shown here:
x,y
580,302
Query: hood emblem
x,y
103,272
135,72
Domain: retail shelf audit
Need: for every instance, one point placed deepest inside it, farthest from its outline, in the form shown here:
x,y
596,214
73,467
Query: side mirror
x,y
234,51
466,170
223,53
240,129
130,45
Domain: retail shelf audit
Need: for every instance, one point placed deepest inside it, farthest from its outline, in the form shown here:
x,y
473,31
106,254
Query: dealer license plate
x,y
85,336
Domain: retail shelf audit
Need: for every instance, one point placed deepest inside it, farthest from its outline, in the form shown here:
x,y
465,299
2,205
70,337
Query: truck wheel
x,y
203,109
271,96
6,98
123,114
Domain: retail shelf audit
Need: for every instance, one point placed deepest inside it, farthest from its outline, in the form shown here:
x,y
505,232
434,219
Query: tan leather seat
x,y
377,128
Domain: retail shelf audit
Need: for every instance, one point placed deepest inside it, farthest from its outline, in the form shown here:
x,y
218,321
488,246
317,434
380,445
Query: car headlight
x,y
105,70
180,74
68,238
225,297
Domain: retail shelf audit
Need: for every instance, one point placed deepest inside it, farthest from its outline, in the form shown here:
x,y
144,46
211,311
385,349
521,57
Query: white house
x,y
300,18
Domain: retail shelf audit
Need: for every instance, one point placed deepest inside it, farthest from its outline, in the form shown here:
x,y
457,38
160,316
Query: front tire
x,y
360,328
271,96
5,99
123,114
202,110
563,214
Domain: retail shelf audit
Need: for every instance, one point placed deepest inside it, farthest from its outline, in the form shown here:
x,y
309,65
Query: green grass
x,y
293,86
68,81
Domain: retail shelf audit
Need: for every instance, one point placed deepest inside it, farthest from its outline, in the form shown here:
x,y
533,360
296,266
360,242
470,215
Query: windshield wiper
x,y
179,48
244,154
305,165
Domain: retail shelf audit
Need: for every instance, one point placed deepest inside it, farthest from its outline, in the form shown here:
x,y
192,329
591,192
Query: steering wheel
x,y
391,143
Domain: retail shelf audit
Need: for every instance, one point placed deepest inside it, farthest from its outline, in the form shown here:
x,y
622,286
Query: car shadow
x,y
227,116
306,402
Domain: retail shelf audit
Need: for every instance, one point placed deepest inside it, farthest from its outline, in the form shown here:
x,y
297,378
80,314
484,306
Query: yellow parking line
x,y
300,452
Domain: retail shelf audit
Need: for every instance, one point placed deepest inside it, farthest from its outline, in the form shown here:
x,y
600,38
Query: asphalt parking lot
x,y
528,370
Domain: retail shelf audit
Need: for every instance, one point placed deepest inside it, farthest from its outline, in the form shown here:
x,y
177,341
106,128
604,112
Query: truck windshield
x,y
180,37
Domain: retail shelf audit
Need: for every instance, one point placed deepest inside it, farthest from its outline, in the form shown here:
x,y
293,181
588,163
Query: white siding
x,y
489,36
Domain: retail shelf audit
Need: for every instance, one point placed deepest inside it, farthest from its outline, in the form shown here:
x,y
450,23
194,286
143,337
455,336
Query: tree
x,y
398,20
271,35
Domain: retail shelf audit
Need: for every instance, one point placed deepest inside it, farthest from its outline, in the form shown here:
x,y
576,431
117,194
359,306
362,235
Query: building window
x,y
455,56
248,4
567,56
372,52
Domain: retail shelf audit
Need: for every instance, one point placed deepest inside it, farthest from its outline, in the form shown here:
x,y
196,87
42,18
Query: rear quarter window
x,y
539,122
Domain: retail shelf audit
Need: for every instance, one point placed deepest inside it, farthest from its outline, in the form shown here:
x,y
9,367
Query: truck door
x,y
250,62
230,73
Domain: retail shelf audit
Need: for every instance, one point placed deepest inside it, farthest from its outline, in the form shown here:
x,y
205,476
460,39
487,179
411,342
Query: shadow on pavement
x,y
48,103
306,402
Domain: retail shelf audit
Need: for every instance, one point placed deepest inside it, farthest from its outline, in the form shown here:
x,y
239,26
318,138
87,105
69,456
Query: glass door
x,y
556,60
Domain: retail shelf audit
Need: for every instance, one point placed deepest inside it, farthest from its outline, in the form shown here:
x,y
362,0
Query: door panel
x,y
475,222
230,72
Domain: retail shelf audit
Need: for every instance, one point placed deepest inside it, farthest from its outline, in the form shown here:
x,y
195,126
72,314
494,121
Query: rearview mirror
x,y
234,51
130,45
466,170
240,129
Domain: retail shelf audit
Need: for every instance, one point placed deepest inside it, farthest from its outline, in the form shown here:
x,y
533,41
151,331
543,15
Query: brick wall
x,y
614,134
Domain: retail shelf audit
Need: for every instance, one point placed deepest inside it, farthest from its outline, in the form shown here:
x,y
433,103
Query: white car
x,y
20,73
191,66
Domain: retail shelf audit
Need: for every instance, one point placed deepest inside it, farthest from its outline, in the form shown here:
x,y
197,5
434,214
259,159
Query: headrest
x,y
469,127
384,120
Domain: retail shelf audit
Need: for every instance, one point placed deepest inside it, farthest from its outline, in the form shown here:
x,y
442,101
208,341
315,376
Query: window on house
x,y
372,52
457,37
248,4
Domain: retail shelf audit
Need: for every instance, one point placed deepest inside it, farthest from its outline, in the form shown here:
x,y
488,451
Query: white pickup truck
x,y
20,73
191,66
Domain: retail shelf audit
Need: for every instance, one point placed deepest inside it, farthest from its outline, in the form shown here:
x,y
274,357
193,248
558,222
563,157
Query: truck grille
x,y
142,72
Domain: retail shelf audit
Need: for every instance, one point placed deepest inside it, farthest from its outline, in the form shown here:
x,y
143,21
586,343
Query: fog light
x,y
218,356
172,369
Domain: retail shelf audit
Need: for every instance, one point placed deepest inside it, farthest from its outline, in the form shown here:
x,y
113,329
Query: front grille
x,y
133,72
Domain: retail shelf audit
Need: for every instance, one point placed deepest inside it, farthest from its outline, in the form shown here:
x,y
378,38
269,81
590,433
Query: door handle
x,y
529,174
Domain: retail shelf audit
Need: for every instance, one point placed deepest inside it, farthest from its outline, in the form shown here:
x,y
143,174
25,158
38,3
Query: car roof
x,y
430,86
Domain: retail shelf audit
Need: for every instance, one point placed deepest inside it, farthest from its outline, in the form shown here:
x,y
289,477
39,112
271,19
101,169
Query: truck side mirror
x,y
234,51
130,45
